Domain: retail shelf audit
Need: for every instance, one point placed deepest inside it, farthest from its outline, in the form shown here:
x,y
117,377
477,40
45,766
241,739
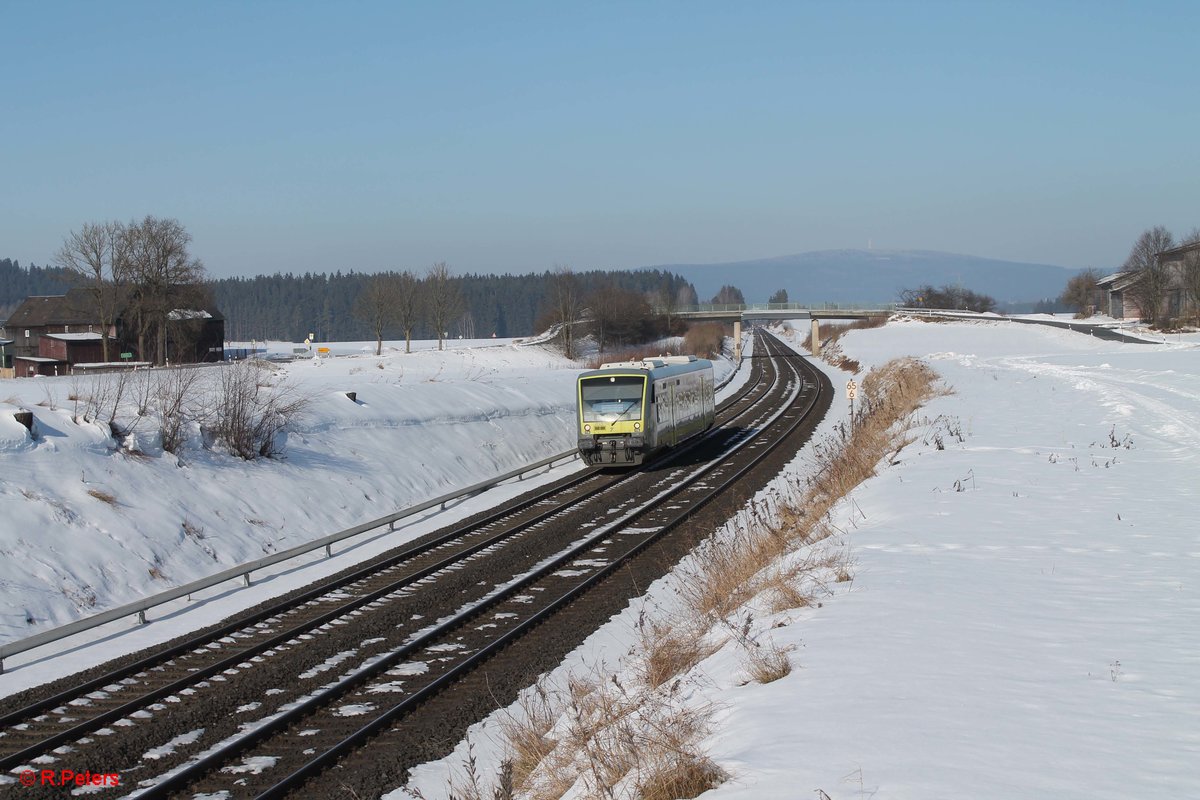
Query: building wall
x,y
24,368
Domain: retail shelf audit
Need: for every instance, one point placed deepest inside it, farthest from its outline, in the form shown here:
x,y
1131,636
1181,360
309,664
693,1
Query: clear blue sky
x,y
516,136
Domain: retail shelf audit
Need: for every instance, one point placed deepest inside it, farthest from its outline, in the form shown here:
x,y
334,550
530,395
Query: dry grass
x,y
103,497
668,649
600,738
729,571
767,663
527,733
704,339
683,778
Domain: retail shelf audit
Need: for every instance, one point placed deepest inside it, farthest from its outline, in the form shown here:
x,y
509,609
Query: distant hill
x,y
875,276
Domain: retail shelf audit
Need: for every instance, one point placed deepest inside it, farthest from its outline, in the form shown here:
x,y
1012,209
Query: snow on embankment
x,y
1026,591
86,524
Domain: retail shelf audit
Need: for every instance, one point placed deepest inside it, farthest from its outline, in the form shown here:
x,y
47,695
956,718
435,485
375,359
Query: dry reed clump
x,y
728,571
704,339
601,738
668,649
768,663
103,496
527,734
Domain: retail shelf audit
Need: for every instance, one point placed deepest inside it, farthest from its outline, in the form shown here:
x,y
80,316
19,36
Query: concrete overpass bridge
x,y
753,312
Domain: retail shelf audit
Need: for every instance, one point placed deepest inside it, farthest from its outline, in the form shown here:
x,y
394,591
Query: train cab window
x,y
612,398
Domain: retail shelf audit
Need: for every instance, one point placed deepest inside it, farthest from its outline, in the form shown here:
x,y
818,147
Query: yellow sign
x,y
322,349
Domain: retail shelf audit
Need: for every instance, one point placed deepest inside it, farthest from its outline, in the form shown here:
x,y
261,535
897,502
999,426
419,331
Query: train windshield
x,y
612,398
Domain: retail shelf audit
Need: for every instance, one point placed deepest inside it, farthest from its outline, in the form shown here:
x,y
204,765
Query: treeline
x,y
17,283
289,307
946,297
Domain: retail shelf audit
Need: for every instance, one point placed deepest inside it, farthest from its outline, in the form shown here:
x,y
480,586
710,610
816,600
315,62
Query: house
x,y
1116,303
1179,262
50,334
1122,298
42,314
6,357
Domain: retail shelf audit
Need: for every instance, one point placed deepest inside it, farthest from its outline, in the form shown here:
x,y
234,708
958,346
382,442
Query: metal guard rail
x,y
140,607
243,571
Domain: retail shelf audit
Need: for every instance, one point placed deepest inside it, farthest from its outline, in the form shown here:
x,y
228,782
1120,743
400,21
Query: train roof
x,y
657,367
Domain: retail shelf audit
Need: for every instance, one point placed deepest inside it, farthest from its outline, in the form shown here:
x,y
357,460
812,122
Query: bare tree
x,y
564,295
97,258
601,308
175,400
249,413
1192,237
1190,279
408,305
161,274
444,298
729,296
667,299
378,305
1153,281
1080,293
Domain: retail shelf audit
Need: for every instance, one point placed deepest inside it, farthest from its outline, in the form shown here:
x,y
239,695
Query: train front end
x,y
612,417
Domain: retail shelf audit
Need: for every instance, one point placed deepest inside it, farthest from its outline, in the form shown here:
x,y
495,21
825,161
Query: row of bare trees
x,y
138,271
615,315
612,314
403,300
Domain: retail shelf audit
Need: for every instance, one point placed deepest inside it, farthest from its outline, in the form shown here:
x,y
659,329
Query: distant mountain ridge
x,y
875,276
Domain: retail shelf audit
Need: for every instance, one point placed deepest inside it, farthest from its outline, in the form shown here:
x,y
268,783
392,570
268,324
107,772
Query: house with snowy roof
x,y
53,334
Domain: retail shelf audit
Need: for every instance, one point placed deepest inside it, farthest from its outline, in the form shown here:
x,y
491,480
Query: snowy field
x,y
1023,617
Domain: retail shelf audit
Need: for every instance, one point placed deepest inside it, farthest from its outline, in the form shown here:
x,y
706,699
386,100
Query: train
x,y
630,410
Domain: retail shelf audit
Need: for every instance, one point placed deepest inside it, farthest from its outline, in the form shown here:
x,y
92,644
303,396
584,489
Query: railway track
x,y
257,689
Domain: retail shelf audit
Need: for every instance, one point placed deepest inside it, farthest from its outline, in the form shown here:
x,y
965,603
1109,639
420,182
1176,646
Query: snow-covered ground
x,y
1025,606
86,526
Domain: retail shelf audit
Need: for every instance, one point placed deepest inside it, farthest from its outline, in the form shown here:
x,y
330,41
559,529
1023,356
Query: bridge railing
x,y
713,308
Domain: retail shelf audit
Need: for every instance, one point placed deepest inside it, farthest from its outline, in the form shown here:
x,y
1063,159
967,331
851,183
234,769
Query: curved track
x,y
257,690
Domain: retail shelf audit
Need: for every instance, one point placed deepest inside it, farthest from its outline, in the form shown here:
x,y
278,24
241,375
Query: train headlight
x,y
587,428
637,426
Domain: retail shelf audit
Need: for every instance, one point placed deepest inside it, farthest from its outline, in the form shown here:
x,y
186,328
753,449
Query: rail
x,y
243,571
140,607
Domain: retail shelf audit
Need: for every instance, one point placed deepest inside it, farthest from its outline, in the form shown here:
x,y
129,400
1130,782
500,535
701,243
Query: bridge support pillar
x,y
737,341
816,338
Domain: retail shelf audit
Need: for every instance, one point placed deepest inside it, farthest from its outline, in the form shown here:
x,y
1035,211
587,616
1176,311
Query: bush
x,y
250,414
704,339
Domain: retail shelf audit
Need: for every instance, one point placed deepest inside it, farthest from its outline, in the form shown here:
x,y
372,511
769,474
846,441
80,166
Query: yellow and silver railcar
x,y
629,410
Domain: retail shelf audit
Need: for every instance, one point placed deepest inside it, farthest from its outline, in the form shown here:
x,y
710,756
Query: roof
x,y
654,367
1176,253
188,313
39,359
72,308
77,307
75,337
1118,280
